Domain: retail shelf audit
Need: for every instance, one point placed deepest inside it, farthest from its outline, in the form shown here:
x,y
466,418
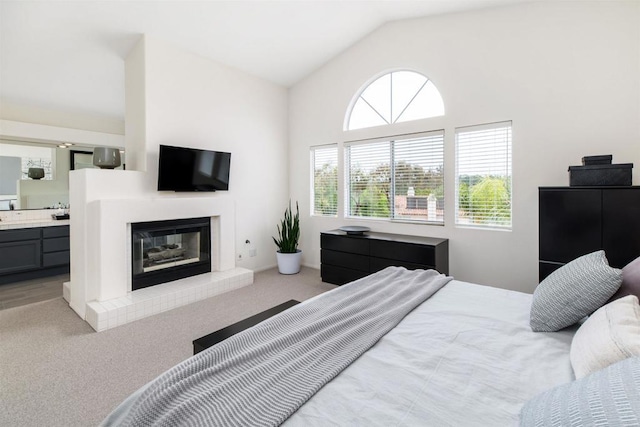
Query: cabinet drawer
x,y
55,258
352,245
378,264
19,256
19,235
339,275
55,244
342,259
570,223
55,231
406,252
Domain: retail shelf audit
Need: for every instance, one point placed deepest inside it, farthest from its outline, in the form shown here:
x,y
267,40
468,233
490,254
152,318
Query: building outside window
x,y
398,178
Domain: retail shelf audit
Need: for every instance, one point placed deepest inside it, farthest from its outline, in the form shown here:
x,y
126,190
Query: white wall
x,y
178,98
34,132
61,119
566,73
192,101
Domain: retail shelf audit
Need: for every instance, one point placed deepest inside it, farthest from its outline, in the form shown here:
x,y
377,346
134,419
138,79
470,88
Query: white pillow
x,y
609,335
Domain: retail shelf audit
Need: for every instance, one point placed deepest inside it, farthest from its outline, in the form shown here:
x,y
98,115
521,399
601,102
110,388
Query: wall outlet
x,y
249,248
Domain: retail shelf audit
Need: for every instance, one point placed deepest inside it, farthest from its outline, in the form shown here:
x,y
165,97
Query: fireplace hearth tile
x,y
103,315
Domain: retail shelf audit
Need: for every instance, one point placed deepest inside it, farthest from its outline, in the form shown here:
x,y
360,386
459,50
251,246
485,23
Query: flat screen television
x,y
192,169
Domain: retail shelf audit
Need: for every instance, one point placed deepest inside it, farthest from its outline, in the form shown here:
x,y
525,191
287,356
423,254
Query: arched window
x,y
399,96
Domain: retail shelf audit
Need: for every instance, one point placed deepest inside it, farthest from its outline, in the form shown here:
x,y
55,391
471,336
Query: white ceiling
x,y
69,55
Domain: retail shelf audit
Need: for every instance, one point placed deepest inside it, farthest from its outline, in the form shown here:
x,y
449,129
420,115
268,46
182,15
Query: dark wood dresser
x,y
574,221
346,257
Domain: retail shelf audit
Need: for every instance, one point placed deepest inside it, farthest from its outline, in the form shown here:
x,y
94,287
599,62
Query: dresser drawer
x,y
55,244
19,235
352,245
339,275
407,252
55,258
19,256
55,231
343,259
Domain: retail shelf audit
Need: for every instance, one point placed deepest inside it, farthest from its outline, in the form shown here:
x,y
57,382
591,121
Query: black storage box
x,y
597,160
600,175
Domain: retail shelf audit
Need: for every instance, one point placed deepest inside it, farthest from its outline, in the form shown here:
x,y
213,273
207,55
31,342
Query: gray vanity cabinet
x,y
20,250
32,253
55,246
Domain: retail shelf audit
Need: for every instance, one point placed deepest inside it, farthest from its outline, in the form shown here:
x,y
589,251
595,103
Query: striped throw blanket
x,y
262,375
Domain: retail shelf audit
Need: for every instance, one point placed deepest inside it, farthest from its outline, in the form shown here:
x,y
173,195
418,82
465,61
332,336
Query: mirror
x,y
81,160
19,192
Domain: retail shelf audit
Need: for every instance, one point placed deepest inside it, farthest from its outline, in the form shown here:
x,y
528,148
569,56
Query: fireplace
x,y
163,251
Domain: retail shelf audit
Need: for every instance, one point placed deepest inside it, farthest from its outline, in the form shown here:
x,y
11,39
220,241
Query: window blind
x,y
324,186
399,178
483,175
368,179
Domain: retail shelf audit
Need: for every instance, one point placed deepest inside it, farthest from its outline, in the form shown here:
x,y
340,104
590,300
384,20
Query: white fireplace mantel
x,y
101,232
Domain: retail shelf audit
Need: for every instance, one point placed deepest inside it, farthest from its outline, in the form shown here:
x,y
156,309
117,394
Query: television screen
x,y
192,169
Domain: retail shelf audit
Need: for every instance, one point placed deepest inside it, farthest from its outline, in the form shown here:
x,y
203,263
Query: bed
x,y
461,358
462,354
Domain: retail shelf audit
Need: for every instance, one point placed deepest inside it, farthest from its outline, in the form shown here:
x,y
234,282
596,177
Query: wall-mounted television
x,y
192,169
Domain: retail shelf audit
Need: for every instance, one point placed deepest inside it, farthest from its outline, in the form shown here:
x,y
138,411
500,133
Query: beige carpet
x,y
56,371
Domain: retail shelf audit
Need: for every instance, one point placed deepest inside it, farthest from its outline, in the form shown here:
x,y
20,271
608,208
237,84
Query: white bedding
x,y
465,357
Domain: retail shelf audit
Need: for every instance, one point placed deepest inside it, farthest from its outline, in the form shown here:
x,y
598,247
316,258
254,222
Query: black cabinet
x,y
574,221
33,253
621,225
346,257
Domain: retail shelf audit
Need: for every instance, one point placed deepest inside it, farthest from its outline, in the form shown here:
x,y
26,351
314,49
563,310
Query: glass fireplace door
x,y
167,250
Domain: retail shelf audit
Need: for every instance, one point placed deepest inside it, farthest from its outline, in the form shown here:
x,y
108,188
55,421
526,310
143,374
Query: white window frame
x,y
385,113
393,214
312,157
495,142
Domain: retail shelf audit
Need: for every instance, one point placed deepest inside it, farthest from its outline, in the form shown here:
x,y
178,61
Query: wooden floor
x,y
30,291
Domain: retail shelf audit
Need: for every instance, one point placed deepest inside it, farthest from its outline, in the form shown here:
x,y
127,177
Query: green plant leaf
x,y
288,231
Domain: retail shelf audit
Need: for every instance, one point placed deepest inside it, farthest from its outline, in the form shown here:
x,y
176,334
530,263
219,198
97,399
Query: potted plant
x,y
288,255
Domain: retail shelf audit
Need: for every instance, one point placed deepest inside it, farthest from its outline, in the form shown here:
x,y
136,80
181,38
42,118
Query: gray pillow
x,y
607,397
572,292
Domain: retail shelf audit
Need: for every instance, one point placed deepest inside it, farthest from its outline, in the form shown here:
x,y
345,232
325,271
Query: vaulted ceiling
x,y
69,55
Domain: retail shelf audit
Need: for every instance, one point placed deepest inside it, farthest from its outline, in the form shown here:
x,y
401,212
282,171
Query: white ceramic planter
x,y
289,263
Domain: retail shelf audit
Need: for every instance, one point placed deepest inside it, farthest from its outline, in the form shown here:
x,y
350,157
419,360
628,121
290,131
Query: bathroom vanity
x,y
33,249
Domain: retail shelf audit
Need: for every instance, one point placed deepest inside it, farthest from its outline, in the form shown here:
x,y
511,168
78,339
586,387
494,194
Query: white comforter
x,y
465,357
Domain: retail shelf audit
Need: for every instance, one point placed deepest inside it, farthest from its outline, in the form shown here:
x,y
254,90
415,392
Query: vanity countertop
x,y
32,223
